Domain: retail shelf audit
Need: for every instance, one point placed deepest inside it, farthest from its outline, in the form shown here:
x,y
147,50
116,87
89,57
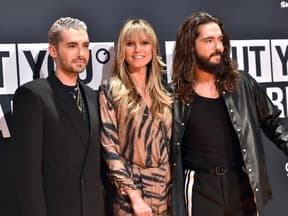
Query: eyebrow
x,y
71,43
75,43
211,37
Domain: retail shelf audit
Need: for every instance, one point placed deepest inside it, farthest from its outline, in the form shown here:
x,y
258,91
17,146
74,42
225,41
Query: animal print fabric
x,y
136,150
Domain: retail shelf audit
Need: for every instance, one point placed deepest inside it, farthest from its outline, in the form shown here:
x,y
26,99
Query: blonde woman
x,y
136,120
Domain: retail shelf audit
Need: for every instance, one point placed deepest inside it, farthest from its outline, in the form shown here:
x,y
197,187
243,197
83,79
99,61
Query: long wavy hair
x,y
184,59
122,88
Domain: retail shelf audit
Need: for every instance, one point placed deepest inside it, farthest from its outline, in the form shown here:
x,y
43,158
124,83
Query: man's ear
x,y
52,51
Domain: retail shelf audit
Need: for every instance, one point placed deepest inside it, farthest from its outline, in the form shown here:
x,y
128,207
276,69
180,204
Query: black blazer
x,y
56,173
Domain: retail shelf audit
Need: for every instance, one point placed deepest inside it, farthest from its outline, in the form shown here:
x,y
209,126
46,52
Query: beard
x,y
212,68
71,65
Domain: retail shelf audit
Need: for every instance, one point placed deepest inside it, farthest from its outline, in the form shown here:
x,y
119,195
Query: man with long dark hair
x,y
219,114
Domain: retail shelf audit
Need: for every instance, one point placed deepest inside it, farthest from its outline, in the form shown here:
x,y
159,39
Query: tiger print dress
x,y
136,150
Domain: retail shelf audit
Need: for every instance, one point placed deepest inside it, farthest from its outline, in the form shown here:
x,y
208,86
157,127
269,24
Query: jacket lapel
x,y
181,114
93,151
90,97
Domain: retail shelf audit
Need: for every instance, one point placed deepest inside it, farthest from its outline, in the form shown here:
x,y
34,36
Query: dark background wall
x,y
28,22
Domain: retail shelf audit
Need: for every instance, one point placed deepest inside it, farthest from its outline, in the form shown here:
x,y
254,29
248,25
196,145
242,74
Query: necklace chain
x,y
79,99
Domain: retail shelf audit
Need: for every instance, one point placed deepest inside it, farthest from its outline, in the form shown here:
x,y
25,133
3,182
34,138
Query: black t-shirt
x,y
209,139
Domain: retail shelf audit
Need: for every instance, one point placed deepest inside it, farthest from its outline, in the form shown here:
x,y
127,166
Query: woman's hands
x,y
138,204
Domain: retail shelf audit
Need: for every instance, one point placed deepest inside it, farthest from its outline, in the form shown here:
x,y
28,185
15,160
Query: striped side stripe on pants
x,y
189,181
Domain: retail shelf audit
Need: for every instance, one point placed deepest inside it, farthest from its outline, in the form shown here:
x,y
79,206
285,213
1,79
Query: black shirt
x,y
71,105
209,139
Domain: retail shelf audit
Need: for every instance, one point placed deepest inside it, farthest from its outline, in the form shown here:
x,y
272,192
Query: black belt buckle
x,y
219,171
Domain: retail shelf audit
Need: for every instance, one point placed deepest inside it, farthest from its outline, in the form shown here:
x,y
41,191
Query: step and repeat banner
x,y
260,46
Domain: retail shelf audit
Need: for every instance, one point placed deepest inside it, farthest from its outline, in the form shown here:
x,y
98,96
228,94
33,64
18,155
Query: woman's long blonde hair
x,y
123,91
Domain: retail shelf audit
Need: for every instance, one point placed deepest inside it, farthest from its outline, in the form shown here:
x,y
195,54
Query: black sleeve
x,y
27,120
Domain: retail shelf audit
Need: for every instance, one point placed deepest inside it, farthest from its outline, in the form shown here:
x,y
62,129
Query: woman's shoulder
x,y
110,88
104,86
109,83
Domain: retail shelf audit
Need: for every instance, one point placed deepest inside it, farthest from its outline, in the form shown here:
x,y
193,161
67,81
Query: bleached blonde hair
x,y
63,23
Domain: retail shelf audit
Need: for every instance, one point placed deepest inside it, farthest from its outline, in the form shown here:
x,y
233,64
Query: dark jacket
x,y
251,112
57,168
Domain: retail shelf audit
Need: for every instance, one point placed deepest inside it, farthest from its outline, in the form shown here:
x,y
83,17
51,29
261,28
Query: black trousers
x,y
207,194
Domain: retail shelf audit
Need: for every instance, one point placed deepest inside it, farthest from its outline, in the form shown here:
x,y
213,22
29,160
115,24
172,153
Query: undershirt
x,y
209,138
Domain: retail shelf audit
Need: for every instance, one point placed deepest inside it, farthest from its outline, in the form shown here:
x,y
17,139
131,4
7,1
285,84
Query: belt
x,y
218,171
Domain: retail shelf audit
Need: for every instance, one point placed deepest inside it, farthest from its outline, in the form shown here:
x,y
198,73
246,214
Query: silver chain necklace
x,y
79,99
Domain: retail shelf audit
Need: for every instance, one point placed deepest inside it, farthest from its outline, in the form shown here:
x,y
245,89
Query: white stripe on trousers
x,y
189,181
188,188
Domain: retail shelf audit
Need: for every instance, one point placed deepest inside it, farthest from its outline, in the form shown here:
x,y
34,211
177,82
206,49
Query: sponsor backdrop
x,y
259,40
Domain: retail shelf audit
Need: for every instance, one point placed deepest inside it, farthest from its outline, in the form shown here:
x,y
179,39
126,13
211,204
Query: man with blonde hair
x,y
57,153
